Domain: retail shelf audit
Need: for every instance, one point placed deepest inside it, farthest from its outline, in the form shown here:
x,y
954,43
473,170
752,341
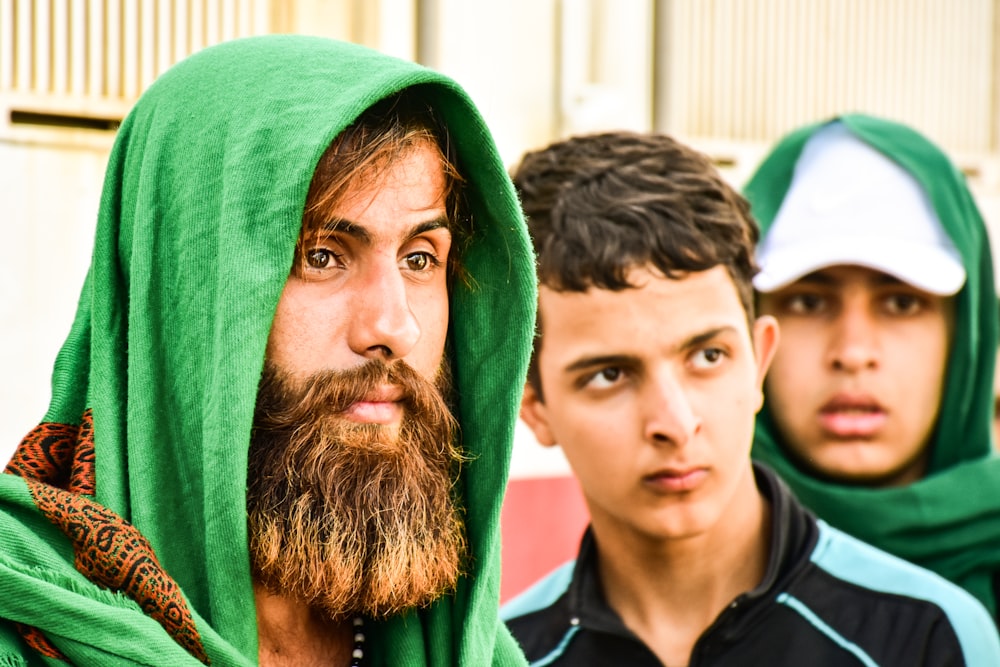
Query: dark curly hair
x,y
601,205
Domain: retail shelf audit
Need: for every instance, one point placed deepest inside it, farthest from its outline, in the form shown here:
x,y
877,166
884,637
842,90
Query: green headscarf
x,y
949,521
199,217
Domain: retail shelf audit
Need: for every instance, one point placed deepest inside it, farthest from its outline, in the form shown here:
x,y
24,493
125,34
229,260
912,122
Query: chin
x,y
683,523
856,473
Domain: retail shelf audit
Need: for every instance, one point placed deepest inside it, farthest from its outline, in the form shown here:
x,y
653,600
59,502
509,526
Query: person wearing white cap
x,y
876,263
647,373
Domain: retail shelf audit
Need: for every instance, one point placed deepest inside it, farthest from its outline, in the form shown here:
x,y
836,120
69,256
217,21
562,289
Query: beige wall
x,y
49,196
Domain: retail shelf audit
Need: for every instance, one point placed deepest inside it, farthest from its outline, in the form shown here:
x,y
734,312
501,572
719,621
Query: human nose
x,y
854,346
384,325
671,416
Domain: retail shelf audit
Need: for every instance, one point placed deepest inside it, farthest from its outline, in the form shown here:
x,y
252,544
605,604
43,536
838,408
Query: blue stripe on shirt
x,y
852,560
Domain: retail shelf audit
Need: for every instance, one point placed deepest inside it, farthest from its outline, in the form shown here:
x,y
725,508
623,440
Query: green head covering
x,y
949,521
199,218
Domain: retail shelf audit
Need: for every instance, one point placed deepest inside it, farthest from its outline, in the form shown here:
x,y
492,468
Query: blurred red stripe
x,y
541,523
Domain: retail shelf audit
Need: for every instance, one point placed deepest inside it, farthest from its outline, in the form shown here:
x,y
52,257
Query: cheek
x,y
730,410
282,337
443,315
308,330
432,311
590,454
787,401
796,363
591,427
926,379
921,393
780,381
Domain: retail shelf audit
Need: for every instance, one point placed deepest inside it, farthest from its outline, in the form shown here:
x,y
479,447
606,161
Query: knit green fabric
x,y
949,521
199,217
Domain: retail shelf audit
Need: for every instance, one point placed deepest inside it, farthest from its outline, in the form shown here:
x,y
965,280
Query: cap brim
x,y
928,269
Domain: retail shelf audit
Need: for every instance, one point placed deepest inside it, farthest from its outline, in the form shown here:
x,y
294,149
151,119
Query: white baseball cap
x,y
850,204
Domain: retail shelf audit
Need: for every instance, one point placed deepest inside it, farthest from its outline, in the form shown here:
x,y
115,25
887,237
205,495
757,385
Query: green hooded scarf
x,y
948,521
123,528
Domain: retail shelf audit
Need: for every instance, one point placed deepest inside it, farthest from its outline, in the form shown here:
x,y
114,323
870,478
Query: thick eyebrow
x,y
691,343
584,363
883,279
361,233
698,340
816,278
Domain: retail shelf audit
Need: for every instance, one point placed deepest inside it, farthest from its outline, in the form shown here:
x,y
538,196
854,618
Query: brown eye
x,y
604,378
805,304
903,304
610,374
420,261
708,358
318,258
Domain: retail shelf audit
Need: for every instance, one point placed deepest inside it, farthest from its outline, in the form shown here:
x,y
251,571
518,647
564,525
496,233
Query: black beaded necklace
x,y
358,654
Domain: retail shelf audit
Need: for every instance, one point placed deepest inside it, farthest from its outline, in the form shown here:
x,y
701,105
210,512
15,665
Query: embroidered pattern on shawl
x,y
57,463
37,640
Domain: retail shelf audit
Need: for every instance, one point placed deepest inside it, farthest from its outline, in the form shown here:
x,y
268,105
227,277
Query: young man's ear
x,y
765,343
535,415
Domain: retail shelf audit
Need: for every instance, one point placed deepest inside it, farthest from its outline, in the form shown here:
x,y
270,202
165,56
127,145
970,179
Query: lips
x,y
380,406
852,416
676,480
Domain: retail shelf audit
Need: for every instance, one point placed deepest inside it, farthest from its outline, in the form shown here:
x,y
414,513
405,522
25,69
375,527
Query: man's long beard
x,y
353,517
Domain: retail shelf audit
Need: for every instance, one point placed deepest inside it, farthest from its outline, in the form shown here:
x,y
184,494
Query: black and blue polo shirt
x,y
826,599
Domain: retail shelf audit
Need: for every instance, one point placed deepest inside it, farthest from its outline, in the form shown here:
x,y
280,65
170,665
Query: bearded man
x,y
281,422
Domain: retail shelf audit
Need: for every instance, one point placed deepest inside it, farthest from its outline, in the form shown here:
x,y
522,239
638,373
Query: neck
x,y
290,632
668,591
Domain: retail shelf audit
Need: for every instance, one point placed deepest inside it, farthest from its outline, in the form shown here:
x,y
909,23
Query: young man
x,y
310,272
647,371
877,265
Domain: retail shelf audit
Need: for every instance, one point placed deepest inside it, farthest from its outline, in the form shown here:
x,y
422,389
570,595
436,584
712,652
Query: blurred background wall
x,y
729,76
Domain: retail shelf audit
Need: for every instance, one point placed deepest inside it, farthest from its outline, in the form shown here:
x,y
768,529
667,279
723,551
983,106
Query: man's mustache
x,y
334,391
